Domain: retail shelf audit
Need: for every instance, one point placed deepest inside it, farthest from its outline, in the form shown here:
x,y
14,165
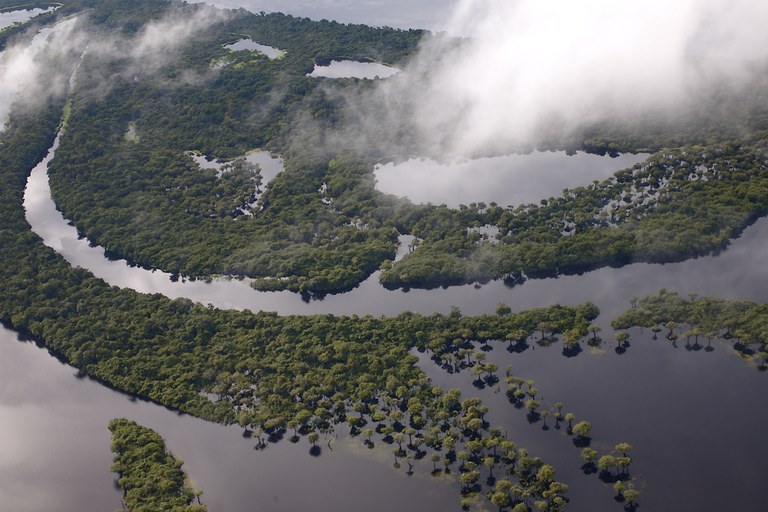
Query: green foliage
x,y
743,322
144,199
265,371
151,478
320,227
676,205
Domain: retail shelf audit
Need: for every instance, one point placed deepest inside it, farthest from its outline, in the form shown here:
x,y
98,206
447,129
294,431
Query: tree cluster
x,y
149,475
742,323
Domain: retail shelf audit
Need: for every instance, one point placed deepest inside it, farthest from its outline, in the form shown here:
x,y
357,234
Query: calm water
x,y
741,271
9,18
505,180
248,44
353,69
691,416
393,13
54,452
269,165
661,399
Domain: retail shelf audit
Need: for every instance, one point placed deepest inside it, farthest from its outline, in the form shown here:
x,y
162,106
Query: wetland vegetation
x,y
151,477
124,175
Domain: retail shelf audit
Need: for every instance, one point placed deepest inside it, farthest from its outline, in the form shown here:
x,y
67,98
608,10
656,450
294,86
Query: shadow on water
x,y
56,452
662,400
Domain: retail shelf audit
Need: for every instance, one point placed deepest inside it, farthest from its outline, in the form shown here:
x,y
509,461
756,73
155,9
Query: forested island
x,y
151,478
124,175
741,322
304,233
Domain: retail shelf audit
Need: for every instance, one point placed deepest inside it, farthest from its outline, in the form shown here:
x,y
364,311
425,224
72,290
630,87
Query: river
x,y
693,416
673,387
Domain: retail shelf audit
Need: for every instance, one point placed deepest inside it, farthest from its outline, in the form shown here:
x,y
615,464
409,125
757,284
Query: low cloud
x,y
158,41
525,69
24,76
40,63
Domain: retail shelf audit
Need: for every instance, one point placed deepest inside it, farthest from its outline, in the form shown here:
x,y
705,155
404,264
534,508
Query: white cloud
x,y
529,65
22,74
159,40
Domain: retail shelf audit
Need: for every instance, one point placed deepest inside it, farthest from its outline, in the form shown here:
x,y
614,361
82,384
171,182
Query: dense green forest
x,y
151,477
165,212
123,173
742,323
267,372
320,227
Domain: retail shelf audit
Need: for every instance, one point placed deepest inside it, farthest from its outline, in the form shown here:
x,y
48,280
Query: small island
x,y
149,475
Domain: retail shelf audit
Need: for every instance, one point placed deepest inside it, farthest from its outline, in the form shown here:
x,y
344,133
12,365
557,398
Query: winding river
x,y
694,417
741,271
663,400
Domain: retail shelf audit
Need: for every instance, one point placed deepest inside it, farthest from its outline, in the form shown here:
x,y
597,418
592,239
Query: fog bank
x,y
528,69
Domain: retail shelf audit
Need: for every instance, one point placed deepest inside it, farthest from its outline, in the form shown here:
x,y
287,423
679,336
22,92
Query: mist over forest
x,y
526,354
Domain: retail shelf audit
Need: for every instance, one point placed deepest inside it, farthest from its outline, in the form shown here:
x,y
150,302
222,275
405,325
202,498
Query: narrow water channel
x,y
693,425
55,452
741,271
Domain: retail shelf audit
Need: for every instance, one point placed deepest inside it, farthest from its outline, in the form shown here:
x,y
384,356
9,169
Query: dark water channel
x,y
54,452
694,417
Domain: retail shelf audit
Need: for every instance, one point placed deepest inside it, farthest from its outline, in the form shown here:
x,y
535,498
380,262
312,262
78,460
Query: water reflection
x,y
505,180
693,434
739,272
248,44
353,69
269,164
663,400
9,18
54,452
393,13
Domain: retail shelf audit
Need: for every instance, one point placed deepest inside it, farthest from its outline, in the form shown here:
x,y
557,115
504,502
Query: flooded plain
x,y
250,45
686,412
505,180
693,416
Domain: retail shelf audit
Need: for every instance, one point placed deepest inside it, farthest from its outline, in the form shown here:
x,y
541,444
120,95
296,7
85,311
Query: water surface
x,y
740,272
353,69
248,44
55,452
691,415
694,417
9,18
404,14
505,180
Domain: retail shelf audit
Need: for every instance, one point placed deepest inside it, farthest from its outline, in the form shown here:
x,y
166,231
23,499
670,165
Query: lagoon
x,y
353,69
248,44
505,180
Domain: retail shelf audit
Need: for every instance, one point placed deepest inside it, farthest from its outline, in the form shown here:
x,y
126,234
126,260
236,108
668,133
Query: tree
x,y
582,429
588,454
631,496
623,448
618,488
500,499
435,458
622,337
468,479
606,462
